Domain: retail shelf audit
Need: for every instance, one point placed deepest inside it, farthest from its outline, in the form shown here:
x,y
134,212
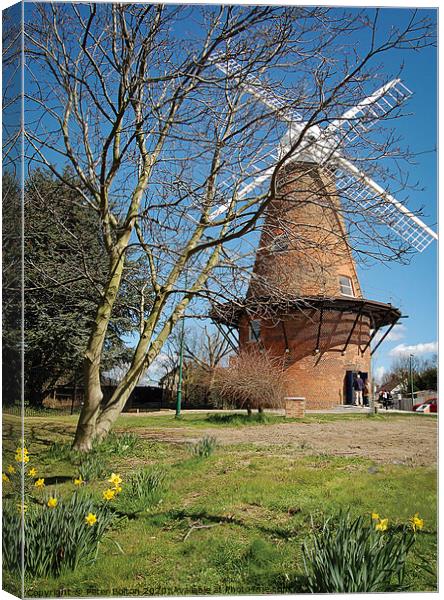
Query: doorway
x,y
348,384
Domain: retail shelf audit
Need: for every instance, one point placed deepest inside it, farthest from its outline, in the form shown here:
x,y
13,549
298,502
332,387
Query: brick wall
x,y
302,252
294,408
303,248
318,376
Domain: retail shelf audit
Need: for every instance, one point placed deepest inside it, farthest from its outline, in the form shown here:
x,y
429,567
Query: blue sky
x,y
413,287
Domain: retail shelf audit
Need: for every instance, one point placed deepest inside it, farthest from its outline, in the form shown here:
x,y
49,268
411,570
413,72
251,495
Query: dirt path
x,y
401,441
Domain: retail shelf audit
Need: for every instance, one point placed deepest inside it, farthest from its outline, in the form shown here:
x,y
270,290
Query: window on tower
x,y
346,286
254,331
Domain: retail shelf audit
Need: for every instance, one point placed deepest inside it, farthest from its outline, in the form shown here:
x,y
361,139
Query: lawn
x,y
232,522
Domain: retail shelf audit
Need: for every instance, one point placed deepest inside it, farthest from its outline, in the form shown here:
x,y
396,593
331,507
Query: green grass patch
x,y
233,522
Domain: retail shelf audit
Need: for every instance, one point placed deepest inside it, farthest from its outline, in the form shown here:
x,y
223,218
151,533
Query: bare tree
x,y
158,140
203,352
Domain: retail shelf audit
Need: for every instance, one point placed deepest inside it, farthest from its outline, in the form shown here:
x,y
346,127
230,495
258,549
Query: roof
x,y
230,313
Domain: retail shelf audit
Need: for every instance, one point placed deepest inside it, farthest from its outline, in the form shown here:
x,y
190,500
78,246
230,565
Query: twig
x,y
193,527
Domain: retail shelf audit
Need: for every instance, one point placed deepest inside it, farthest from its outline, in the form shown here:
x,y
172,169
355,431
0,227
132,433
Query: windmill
x,y
321,323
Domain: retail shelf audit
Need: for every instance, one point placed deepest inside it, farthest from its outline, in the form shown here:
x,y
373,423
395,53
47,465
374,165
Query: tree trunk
x,y
249,412
113,409
260,410
86,426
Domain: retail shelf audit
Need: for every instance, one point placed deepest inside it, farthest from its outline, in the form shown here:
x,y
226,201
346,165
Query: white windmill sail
x,y
321,147
256,87
358,121
372,198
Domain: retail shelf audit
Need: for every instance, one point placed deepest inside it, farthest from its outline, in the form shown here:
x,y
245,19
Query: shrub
x,y
253,379
204,447
358,555
56,539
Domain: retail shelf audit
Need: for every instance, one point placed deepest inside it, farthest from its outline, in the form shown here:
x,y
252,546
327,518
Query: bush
x,y
253,379
56,539
204,447
347,556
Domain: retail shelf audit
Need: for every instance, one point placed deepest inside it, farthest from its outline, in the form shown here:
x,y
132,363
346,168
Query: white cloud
x,y
404,350
379,374
397,333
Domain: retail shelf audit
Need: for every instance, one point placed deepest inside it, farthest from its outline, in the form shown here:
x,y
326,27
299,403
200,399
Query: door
x,y
349,377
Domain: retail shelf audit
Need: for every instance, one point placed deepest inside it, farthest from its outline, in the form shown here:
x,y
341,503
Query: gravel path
x,y
397,440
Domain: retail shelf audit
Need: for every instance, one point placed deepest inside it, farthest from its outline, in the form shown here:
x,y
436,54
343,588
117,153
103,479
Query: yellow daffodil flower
x,y
21,455
5,478
39,483
382,525
115,479
416,522
32,472
22,507
11,469
375,517
117,489
52,502
78,481
109,494
90,519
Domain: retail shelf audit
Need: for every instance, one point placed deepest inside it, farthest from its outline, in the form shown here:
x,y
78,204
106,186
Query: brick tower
x,y
304,301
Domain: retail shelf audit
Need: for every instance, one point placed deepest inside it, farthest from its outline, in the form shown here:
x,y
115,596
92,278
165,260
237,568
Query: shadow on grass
x,y
255,568
204,517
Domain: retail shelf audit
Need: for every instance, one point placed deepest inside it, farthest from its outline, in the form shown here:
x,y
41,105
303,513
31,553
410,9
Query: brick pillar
x,y
295,407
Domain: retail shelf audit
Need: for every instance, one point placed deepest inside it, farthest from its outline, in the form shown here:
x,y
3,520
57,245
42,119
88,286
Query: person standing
x,y
358,386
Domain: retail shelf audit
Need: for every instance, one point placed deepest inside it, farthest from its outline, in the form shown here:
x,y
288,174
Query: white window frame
x,y
254,330
348,285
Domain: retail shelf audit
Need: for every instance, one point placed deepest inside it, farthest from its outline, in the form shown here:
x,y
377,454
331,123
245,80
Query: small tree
x,y
203,351
253,379
423,373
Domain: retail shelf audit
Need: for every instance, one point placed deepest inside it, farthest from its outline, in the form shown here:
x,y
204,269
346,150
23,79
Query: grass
x,y
234,522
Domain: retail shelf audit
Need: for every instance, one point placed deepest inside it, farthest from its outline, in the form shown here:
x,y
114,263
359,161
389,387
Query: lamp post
x,y
179,383
411,375
182,342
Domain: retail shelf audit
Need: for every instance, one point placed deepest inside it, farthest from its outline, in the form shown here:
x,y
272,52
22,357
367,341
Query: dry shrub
x,y
253,379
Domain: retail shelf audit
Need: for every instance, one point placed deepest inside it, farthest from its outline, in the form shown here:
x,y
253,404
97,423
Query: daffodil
x,y
78,481
5,478
21,455
382,525
32,472
375,517
11,469
109,494
90,519
39,483
115,479
117,489
22,508
52,502
416,522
